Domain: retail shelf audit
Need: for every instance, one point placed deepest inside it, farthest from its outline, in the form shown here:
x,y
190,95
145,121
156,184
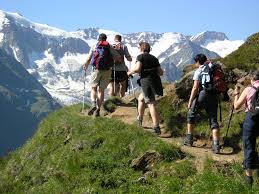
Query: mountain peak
x,y
206,37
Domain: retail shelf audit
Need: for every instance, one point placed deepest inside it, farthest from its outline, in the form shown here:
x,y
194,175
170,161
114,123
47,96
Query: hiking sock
x,y
215,146
139,121
93,103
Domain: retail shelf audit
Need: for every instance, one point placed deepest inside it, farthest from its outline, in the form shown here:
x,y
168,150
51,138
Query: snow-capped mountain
x,y
217,42
55,57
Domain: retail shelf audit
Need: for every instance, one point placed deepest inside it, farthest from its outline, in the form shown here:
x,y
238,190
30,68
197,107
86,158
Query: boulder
x,y
184,85
147,159
239,73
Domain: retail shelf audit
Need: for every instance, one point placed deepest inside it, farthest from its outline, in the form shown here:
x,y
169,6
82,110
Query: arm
x,y
136,68
160,71
240,100
88,59
126,52
194,92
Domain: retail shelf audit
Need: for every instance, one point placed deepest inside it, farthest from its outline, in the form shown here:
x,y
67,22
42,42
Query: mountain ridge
x,y
55,57
23,101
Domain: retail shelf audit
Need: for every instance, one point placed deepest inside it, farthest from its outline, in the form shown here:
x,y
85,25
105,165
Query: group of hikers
x,y
109,69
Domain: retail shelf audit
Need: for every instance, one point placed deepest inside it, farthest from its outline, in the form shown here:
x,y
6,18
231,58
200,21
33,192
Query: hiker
x,y
101,56
202,98
150,71
119,77
250,126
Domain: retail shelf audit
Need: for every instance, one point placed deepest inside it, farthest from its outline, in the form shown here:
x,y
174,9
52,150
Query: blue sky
x,y
237,18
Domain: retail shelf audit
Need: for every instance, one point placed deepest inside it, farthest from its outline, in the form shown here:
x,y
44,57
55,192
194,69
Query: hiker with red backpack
x,y
204,94
250,98
119,77
150,71
101,57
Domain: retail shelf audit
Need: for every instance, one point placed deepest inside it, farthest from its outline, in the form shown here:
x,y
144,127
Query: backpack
x,y
254,110
102,58
120,50
213,78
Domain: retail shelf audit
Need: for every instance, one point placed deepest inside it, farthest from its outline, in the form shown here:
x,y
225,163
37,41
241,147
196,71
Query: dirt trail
x,y
201,150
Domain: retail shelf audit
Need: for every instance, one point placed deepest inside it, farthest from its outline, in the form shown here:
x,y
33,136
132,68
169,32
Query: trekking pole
x,y
114,82
231,115
83,107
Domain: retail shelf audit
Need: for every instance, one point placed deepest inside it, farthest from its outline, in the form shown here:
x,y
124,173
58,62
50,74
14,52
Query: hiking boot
x,y
188,140
215,148
157,130
97,113
249,180
91,110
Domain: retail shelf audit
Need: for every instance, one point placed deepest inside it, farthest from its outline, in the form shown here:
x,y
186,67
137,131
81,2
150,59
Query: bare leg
x,y
100,98
215,134
249,172
141,107
154,114
190,128
122,89
111,89
93,94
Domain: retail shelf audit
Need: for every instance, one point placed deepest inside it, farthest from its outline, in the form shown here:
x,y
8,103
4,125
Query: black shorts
x,y
151,87
120,76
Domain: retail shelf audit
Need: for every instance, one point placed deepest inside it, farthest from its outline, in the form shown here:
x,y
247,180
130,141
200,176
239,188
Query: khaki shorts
x,y
100,78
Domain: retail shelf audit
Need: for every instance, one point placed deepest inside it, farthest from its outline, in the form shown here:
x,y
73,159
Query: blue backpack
x,y
102,58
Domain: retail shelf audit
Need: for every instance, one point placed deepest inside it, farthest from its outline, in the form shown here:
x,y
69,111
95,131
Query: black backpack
x,y
254,110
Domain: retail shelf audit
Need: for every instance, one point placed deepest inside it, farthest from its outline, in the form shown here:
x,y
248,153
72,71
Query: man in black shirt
x,y
150,71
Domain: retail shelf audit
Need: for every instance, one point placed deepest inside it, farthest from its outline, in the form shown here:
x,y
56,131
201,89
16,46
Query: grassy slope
x,y
246,57
71,153
75,154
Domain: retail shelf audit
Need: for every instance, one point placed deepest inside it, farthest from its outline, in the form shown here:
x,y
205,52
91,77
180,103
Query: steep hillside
x,y
246,57
23,103
72,153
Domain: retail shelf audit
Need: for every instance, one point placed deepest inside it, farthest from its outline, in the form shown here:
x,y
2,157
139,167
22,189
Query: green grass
x,y
219,179
111,104
246,57
71,153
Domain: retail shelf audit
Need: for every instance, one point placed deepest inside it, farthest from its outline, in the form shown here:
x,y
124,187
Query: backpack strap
x,y
255,88
252,86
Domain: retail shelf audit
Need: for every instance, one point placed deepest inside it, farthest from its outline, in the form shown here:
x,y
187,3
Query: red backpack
x,y
219,83
213,79
102,58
